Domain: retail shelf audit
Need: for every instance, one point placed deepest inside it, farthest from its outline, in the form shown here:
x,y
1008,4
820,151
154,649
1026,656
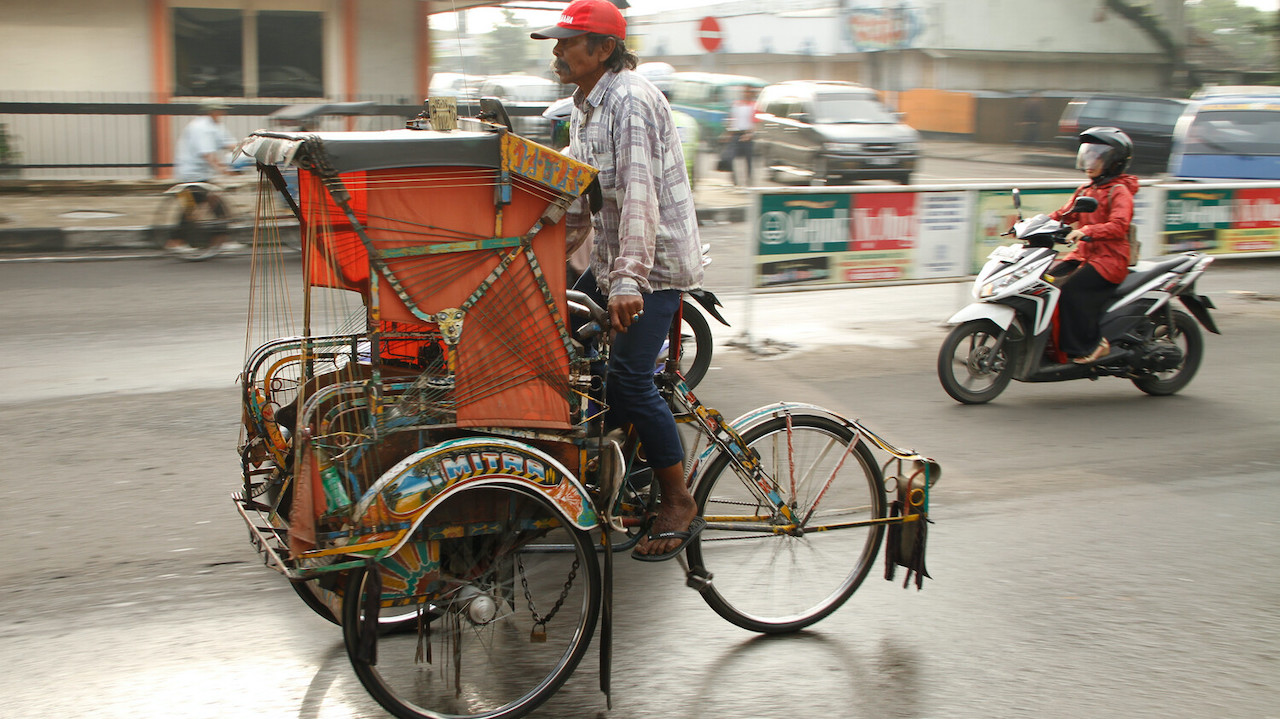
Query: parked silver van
x,y
832,132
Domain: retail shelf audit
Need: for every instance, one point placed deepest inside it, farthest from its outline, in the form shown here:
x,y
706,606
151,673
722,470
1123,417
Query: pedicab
x,y
425,453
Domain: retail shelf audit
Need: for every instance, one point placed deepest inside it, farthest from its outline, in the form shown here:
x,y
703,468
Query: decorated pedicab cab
x,y
424,454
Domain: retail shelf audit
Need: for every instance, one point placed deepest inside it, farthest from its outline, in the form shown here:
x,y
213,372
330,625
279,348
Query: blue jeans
x,y
629,389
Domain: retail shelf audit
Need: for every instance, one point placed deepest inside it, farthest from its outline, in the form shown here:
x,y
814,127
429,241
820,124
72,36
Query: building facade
x,y
174,52
955,45
931,58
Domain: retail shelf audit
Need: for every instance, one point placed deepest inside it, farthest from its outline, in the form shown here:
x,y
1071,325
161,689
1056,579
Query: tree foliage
x,y
1246,33
503,48
8,147
507,46
1138,14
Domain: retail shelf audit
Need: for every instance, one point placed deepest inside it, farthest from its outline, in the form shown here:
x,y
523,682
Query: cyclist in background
x,y
201,156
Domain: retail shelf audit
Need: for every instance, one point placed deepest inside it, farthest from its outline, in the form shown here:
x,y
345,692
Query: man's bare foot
x,y
674,515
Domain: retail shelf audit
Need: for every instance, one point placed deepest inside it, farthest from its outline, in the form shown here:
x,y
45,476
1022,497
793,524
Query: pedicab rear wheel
x,y
770,575
475,650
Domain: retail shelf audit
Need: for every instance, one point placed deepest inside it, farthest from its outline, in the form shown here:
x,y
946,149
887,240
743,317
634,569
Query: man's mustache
x,y
558,66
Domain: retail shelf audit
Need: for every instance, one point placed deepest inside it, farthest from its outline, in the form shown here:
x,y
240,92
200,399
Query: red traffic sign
x,y
709,34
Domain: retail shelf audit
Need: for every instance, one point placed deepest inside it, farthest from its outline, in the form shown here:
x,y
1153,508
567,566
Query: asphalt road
x,y
1097,552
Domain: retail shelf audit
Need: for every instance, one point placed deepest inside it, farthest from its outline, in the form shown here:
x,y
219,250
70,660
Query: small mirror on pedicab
x,y
492,110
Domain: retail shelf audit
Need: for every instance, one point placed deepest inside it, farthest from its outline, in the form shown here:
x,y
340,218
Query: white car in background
x,y
455,84
525,98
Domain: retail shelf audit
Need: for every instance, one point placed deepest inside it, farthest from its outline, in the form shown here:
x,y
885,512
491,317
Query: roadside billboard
x,y
847,236
995,214
838,238
1222,220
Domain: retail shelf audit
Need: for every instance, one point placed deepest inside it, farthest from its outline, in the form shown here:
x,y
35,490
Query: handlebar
x,y
582,305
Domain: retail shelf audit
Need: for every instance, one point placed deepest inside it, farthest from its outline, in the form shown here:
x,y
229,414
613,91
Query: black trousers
x,y
1085,294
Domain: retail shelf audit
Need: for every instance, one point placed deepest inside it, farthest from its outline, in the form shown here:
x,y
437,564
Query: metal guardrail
x,y
129,140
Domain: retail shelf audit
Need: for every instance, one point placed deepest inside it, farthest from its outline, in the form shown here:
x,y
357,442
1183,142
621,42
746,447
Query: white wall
x,y
1034,25
751,26
743,33
72,45
1055,44
386,38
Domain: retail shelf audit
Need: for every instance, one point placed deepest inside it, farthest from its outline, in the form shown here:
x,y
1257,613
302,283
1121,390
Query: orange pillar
x,y
349,26
161,64
422,68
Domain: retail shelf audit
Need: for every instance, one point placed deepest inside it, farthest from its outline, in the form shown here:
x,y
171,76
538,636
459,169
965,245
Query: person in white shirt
x,y
201,156
741,127
201,153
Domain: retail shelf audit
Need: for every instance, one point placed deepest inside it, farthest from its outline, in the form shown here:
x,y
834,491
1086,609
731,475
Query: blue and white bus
x,y
1229,133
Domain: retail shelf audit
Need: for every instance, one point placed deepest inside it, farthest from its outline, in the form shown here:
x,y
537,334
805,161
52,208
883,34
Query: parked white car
x,y
455,84
525,98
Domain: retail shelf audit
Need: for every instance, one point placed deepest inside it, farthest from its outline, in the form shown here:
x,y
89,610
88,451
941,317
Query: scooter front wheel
x,y
970,368
695,345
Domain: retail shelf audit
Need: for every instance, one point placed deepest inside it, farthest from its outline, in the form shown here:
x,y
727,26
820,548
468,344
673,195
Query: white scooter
x,y
1007,334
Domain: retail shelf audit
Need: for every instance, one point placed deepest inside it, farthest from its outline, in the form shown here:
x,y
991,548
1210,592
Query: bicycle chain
x,y
538,619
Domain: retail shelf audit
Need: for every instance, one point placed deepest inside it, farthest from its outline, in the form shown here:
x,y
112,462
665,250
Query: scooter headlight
x,y
1000,284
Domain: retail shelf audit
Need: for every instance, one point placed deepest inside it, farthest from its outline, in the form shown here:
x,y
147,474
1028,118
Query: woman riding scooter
x,y
1100,259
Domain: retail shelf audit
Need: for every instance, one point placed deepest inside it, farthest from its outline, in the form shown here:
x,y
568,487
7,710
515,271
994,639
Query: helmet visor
x,y
1091,156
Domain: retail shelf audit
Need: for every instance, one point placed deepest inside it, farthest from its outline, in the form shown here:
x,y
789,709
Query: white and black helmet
x,y
1108,144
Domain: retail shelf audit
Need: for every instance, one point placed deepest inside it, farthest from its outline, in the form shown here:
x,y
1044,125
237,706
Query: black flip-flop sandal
x,y
695,528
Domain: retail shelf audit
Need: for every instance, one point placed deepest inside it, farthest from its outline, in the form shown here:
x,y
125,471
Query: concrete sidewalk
x,y
113,218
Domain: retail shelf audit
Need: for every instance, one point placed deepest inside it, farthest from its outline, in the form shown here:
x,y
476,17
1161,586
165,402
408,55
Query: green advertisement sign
x,y
995,214
1222,221
799,224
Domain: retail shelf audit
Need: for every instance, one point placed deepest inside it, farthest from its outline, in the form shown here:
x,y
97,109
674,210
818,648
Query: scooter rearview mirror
x,y
1085,204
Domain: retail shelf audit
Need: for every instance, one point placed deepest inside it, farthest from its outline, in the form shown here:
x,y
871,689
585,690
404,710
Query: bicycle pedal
x,y
698,579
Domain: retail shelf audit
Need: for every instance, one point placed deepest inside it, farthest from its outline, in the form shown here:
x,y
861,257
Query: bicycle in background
x,y
195,221
199,220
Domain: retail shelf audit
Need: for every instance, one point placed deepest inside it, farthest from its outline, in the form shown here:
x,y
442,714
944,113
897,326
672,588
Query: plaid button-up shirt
x,y
646,234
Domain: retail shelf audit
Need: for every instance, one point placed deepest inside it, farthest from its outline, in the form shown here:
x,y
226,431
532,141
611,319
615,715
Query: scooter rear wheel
x,y
969,367
1185,336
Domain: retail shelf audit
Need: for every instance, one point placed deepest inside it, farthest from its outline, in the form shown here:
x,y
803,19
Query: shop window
x,y
208,52
211,59
289,54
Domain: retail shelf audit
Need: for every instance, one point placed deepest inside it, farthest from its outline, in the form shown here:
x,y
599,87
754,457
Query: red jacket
x,y
1108,226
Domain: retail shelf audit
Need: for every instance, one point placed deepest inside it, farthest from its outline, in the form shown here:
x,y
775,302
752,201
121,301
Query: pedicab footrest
x,y
265,535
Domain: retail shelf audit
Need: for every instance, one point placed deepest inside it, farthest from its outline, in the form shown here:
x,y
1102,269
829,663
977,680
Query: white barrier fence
x,y
823,238
830,237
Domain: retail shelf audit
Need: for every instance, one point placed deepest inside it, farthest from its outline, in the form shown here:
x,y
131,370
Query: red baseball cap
x,y
583,16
